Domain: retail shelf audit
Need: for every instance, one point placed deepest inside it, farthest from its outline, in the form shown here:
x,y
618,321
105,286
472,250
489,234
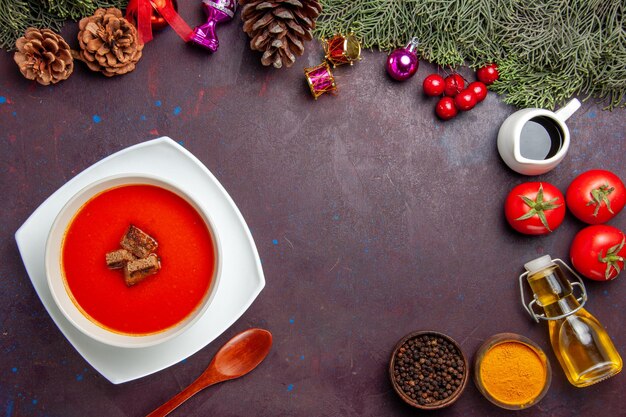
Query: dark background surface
x,y
372,219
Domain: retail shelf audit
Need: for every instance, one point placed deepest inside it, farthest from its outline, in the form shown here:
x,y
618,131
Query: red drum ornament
x,y
320,79
342,49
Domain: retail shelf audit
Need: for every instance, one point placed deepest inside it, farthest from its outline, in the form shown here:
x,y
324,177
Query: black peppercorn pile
x,y
429,369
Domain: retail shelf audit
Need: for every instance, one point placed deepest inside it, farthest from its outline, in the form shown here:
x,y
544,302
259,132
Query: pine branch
x,y
17,15
9,25
547,50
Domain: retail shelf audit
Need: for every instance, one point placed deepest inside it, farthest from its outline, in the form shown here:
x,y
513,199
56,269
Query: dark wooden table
x,y
372,219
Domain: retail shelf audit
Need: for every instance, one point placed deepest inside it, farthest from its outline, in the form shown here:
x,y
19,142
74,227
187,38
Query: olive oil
x,y
582,346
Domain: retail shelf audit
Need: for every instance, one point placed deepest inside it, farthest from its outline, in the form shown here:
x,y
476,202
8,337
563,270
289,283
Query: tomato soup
x,y
159,302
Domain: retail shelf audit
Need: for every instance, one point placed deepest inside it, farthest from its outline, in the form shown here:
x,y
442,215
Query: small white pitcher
x,y
509,138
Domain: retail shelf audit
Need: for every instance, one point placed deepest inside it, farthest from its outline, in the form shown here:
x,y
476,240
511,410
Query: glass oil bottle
x,y
582,346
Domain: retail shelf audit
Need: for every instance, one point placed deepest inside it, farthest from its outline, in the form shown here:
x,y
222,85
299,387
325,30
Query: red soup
x,y
160,301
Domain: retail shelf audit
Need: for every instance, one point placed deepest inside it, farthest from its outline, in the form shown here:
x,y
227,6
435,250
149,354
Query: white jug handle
x,y
564,113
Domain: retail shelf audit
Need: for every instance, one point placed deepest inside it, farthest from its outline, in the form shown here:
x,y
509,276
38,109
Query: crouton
x,y
117,259
139,269
138,242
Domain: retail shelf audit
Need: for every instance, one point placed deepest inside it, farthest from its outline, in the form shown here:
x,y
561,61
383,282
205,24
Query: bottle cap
x,y
538,264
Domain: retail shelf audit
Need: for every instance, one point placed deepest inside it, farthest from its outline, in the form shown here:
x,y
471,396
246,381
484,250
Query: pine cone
x,y
108,42
43,56
278,28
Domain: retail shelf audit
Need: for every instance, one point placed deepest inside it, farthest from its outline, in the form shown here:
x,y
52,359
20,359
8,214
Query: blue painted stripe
x,y
9,410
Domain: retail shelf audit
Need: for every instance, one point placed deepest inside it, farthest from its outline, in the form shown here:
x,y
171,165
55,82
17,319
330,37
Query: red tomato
x,y
535,208
433,85
596,196
453,84
479,89
465,100
445,108
488,74
598,252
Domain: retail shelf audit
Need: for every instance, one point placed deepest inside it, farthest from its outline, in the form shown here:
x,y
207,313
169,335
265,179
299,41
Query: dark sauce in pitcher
x,y
541,138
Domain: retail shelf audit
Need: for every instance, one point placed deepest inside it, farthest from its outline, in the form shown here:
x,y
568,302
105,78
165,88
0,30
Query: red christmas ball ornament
x,y
445,108
479,89
433,85
488,74
465,100
157,22
454,83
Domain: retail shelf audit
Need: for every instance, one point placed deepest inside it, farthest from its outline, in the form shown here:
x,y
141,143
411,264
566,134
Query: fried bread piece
x,y
118,258
138,242
139,269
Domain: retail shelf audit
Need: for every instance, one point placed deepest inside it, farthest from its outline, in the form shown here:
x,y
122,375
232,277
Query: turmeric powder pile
x,y
513,373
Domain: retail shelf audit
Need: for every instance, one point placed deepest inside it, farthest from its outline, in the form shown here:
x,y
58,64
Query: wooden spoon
x,y
237,357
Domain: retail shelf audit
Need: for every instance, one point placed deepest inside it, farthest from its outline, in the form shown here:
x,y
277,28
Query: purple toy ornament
x,y
217,11
402,63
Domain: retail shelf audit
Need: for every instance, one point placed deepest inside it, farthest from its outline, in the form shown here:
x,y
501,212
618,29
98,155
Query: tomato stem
x,y
612,259
538,207
601,195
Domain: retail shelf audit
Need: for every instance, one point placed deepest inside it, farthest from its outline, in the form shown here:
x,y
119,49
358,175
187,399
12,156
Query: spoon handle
x,y
180,398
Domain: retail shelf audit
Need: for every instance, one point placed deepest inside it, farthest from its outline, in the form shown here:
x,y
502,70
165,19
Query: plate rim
x,y
23,240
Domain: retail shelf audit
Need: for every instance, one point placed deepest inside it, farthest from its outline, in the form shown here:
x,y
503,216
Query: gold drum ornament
x,y
342,49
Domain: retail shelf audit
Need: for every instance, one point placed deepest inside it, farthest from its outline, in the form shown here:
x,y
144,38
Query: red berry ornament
x,y
488,74
453,85
445,108
479,89
433,85
465,100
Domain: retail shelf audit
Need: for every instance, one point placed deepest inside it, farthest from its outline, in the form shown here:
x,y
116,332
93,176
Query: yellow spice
x,y
513,373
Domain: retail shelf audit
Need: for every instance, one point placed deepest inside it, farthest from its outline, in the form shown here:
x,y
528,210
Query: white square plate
x,y
242,276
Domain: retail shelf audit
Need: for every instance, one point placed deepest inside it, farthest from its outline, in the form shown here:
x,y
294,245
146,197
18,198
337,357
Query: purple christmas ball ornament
x,y
402,63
